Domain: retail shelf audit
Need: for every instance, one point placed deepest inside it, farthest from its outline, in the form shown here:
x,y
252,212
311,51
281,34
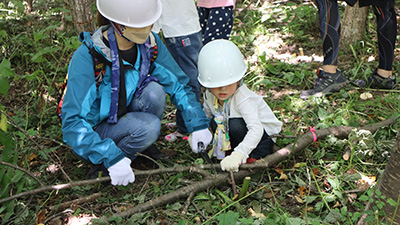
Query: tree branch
x,y
23,170
213,180
268,161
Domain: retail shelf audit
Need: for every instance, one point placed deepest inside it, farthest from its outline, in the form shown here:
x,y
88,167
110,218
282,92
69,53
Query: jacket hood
x,y
96,40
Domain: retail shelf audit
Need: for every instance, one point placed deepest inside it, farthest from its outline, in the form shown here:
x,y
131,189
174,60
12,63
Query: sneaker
x,y
144,163
171,125
173,136
376,81
325,83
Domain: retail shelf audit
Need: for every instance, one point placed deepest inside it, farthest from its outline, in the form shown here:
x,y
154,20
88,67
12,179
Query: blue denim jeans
x,y
140,127
185,50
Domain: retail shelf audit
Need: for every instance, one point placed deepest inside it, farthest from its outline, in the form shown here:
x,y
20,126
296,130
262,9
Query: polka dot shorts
x,y
216,23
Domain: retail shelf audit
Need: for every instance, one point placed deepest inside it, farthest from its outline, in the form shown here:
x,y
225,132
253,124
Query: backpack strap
x,y
99,65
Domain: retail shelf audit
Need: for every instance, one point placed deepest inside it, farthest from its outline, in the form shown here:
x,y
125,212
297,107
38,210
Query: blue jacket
x,y
85,105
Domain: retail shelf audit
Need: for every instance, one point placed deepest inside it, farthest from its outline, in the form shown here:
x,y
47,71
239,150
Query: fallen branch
x,y
213,180
196,169
269,161
75,202
23,170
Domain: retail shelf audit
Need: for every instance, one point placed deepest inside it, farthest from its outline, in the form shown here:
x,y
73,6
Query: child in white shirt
x,y
240,119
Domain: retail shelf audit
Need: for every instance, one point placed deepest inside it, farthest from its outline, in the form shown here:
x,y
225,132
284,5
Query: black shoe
x,y
325,83
376,81
95,171
154,153
144,163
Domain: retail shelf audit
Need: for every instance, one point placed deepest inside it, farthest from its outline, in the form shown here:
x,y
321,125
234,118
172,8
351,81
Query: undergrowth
x,y
330,182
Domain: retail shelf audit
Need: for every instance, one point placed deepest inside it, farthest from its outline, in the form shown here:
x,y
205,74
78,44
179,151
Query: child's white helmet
x,y
220,64
131,13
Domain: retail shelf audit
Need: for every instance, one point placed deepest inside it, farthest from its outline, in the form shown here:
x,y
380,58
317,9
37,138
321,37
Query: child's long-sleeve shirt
x,y
178,18
256,113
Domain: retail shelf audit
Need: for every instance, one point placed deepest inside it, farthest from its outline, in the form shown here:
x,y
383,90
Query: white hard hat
x,y
220,63
131,13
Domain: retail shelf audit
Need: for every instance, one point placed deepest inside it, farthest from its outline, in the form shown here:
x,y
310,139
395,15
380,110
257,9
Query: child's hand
x,y
232,162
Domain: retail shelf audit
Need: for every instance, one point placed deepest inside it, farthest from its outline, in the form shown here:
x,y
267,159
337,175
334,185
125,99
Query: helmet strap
x,y
119,31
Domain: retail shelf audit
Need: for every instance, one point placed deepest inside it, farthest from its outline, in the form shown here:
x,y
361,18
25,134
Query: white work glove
x,y
204,136
121,173
232,162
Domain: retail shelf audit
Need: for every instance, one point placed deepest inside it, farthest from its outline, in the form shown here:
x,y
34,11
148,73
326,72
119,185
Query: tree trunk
x,y
353,24
82,15
389,184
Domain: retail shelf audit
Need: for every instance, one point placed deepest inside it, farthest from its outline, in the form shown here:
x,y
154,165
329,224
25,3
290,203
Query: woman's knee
x,y
151,100
143,132
155,98
144,126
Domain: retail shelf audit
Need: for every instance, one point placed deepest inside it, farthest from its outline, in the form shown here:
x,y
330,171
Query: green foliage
x,y
5,73
320,184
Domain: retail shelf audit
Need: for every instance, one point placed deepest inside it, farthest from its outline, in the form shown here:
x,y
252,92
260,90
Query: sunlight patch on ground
x,y
81,220
272,45
52,168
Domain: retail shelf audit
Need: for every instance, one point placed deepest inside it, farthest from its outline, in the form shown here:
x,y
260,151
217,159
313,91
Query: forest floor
x,y
328,183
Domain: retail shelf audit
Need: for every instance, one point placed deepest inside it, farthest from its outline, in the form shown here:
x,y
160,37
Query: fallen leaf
x,y
3,123
302,191
337,204
366,96
283,177
346,155
301,164
269,194
298,199
119,209
255,214
361,187
351,171
352,197
326,184
315,171
368,179
310,209
41,216
31,157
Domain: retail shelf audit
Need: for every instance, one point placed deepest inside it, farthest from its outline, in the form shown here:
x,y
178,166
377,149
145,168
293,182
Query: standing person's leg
x,y
218,23
203,20
387,32
329,79
185,50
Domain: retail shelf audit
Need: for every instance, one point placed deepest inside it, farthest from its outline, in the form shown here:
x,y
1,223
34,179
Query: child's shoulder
x,y
244,90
